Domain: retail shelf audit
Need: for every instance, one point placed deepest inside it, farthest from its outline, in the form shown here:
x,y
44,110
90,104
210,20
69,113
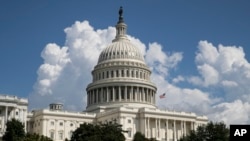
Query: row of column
x,y
156,133
10,112
121,93
121,73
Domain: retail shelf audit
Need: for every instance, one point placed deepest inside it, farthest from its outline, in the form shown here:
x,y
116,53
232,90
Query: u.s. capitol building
x,y
121,91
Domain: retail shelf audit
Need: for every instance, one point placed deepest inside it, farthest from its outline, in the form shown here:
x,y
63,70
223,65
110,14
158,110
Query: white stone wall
x,y
12,107
58,125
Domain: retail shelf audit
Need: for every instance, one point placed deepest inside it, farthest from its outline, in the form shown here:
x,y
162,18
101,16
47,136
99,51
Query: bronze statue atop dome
x,y
120,15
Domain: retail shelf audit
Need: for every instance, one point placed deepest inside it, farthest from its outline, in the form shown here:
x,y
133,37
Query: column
x,y
88,98
149,95
97,95
125,91
174,131
156,128
6,116
55,133
119,91
93,96
149,130
107,92
131,94
102,95
138,94
145,127
182,128
135,93
143,94
44,126
113,89
185,128
25,111
159,129
154,97
166,135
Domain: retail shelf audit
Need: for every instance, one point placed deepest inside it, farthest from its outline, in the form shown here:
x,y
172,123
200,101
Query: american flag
x,y
162,96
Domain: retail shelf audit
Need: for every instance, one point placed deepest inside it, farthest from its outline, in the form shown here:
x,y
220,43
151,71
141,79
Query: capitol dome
x,y
121,49
121,76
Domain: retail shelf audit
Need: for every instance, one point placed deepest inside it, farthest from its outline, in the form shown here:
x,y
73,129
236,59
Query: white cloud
x,y
235,112
178,79
159,61
66,72
223,67
209,75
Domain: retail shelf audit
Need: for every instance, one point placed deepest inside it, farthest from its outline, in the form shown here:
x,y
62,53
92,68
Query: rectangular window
x,y
61,124
52,123
52,135
129,133
60,135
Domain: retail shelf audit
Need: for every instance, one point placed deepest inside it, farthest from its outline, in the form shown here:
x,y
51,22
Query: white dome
x,y
121,49
121,76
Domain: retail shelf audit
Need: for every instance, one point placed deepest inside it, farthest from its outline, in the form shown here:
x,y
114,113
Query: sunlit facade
x,y
121,91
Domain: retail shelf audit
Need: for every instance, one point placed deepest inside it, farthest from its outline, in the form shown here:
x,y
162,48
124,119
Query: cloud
x,y
66,70
159,61
223,75
223,67
235,112
224,70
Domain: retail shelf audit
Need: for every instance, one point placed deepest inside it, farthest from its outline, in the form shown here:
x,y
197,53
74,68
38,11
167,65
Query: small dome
x,y
121,49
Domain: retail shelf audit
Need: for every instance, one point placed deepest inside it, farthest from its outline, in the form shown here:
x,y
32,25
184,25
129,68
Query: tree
x,y
36,137
210,132
98,132
14,131
140,137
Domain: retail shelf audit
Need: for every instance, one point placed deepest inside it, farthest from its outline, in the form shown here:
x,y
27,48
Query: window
x,y
52,123
122,73
129,121
52,134
61,124
60,133
107,74
129,132
17,113
70,134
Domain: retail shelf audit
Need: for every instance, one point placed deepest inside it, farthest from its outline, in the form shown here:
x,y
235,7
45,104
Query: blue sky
x,y
26,27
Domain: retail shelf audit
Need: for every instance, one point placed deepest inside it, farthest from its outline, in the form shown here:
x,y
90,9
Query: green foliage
x,y
36,137
140,137
210,132
99,132
14,131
